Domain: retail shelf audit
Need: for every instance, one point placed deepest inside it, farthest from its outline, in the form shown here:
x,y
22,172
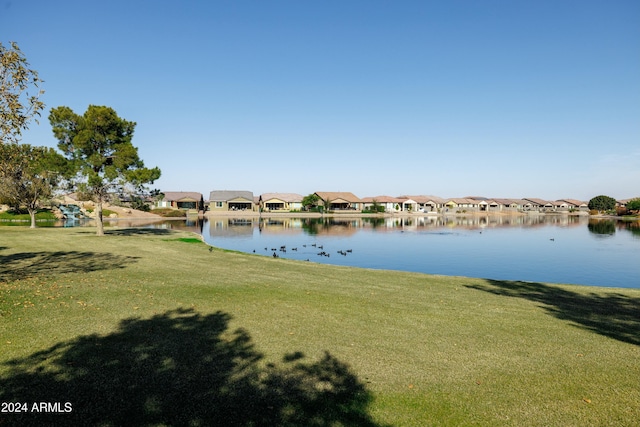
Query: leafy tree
x,y
602,203
99,145
326,205
17,110
376,207
310,201
634,205
29,175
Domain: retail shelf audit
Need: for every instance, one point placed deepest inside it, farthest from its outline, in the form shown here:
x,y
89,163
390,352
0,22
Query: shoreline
x,y
133,215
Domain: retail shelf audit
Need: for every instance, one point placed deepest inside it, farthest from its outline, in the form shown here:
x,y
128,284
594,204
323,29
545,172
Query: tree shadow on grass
x,y
139,232
607,313
180,368
29,264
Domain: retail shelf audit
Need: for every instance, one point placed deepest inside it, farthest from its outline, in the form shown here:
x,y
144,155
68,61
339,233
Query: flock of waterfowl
x,y
283,249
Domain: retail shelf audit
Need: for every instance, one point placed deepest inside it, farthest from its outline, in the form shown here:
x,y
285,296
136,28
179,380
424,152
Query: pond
x,y
544,248
559,249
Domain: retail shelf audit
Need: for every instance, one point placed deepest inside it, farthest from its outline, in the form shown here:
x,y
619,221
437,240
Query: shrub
x,y
634,205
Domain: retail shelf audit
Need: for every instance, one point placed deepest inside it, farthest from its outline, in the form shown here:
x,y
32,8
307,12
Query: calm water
x,y
556,249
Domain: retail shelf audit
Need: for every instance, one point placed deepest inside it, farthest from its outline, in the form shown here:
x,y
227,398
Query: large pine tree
x,y
99,144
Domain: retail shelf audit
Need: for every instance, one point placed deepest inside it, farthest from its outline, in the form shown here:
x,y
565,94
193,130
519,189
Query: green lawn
x,y
41,215
148,327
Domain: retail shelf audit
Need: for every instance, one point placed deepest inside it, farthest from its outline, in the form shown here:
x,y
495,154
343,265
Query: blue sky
x,y
450,98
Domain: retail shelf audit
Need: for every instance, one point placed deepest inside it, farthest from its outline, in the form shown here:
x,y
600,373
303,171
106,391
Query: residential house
x,y
577,204
560,206
461,204
225,200
407,204
420,203
430,203
387,202
487,205
565,205
508,205
284,202
526,205
339,201
186,200
533,204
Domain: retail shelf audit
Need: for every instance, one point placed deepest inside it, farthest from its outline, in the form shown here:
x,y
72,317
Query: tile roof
x,y
336,195
575,202
380,199
507,202
625,201
224,195
537,201
425,199
182,195
463,201
285,197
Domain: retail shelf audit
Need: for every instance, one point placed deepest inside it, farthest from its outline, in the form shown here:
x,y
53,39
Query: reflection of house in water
x,y
470,222
231,227
243,227
332,226
280,225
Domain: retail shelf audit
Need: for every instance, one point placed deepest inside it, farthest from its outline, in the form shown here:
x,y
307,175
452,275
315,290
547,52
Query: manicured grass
x,y
150,327
41,215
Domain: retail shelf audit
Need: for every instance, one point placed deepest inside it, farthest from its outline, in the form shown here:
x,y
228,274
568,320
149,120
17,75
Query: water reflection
x,y
602,228
245,227
230,227
632,226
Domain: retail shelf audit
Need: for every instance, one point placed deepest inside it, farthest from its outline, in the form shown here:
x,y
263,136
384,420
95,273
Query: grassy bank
x,y
152,327
41,215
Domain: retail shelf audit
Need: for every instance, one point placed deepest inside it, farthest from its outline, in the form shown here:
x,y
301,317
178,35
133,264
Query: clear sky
x,y
451,98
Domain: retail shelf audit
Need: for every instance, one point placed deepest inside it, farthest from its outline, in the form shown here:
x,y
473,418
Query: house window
x,y
218,204
186,205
